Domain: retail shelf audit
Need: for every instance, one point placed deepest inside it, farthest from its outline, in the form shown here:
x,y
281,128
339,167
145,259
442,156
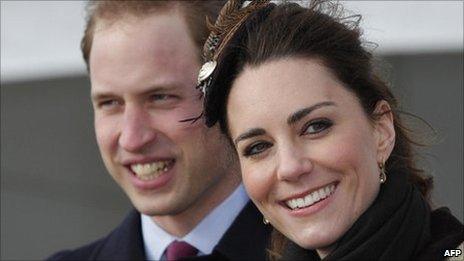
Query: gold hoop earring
x,y
265,221
383,173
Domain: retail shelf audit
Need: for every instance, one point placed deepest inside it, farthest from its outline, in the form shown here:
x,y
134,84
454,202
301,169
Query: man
x,y
182,178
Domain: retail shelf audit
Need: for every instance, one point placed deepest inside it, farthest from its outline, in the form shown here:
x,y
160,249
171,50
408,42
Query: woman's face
x,y
308,153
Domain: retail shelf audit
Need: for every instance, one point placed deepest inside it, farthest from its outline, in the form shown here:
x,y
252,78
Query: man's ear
x,y
384,129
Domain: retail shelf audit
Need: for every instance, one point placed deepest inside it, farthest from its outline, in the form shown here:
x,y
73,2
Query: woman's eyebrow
x,y
249,134
298,115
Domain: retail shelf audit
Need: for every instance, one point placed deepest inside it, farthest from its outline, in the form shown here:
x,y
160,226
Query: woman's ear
x,y
384,130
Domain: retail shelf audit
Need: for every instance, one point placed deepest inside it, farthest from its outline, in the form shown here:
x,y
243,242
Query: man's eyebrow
x,y
160,88
96,96
298,115
151,89
249,134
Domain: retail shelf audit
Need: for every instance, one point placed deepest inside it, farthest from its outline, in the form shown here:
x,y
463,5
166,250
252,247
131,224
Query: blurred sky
x,y
40,39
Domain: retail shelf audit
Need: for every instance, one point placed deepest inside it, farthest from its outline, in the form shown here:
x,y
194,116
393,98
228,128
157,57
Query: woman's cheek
x,y
339,152
257,181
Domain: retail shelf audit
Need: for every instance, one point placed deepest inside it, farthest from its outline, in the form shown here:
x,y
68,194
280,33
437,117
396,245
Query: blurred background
x,y
55,191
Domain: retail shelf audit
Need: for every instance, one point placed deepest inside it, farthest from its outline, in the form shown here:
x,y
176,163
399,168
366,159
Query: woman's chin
x,y
316,241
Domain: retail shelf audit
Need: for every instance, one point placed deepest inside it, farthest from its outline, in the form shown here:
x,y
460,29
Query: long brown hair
x,y
321,31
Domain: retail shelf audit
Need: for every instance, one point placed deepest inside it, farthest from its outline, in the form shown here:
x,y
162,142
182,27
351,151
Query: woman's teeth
x,y
311,198
152,170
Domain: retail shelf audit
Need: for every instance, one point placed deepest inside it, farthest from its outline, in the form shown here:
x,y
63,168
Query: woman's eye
x,y
256,148
316,126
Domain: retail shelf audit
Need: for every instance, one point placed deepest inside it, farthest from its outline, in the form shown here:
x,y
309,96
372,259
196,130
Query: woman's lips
x,y
312,201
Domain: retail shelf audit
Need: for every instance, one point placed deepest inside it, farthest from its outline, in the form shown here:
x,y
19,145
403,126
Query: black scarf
x,y
395,227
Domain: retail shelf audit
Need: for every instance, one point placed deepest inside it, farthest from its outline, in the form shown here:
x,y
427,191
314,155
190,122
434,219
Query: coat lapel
x,y
125,242
247,238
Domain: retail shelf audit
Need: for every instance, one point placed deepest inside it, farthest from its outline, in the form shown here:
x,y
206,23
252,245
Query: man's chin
x,y
158,210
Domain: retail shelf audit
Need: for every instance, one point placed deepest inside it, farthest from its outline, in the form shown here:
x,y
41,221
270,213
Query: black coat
x,y
446,233
246,239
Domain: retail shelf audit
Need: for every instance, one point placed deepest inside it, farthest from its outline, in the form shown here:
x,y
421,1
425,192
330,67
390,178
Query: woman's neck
x,y
325,251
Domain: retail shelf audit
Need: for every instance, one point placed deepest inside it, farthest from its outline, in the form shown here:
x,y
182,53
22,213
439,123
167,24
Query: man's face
x,y
143,73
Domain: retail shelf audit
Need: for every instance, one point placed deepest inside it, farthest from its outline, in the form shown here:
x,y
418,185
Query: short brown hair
x,y
195,13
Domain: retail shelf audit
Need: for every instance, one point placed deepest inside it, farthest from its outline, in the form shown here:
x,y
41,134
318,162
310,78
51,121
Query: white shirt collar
x,y
204,236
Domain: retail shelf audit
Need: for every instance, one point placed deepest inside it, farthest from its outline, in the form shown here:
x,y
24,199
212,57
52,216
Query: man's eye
x,y
256,148
316,126
161,97
107,104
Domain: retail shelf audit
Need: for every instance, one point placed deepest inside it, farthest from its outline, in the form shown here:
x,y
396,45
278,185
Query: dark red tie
x,y
179,249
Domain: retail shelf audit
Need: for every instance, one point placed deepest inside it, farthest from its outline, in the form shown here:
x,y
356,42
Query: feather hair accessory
x,y
229,20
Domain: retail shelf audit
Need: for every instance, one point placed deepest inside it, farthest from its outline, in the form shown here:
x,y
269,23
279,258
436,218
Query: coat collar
x,y
247,238
125,242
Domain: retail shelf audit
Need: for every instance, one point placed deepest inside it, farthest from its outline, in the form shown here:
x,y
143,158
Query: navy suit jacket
x,y
246,239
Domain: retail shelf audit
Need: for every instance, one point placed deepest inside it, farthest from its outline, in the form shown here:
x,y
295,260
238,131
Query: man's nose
x,y
293,163
136,131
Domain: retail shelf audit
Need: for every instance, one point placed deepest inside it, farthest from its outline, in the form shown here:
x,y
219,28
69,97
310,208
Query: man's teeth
x,y
150,170
311,198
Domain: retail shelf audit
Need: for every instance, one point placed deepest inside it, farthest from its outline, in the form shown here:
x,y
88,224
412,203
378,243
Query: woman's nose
x,y
293,163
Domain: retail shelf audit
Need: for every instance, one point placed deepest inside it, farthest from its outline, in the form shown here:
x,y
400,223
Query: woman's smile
x,y
323,150
308,155
310,198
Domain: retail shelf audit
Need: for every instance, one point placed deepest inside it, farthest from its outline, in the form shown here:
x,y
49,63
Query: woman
x,y
323,151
